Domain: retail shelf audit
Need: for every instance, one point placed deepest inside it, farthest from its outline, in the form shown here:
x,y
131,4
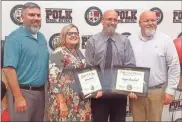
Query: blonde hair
x,y
64,33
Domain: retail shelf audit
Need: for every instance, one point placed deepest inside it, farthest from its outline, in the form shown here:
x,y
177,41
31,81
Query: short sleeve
x,y
129,58
56,65
12,52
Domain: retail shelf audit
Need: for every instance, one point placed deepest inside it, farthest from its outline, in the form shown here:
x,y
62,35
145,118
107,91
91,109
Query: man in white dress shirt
x,y
157,51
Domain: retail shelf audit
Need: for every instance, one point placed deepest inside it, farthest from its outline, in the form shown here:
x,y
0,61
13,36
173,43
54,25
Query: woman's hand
x,y
62,105
63,110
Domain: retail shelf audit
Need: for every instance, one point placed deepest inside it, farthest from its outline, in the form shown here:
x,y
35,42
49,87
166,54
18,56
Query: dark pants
x,y
113,108
3,90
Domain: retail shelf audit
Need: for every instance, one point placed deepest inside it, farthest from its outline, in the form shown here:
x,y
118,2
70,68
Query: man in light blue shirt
x,y
26,67
108,49
157,51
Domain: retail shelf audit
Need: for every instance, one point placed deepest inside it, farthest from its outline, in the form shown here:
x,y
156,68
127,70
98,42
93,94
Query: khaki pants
x,y
149,108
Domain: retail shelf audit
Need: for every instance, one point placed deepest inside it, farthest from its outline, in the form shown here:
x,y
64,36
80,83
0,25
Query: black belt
x,y
36,88
157,86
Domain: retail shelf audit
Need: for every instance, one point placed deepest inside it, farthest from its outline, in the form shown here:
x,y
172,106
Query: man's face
x,y
110,21
32,19
148,24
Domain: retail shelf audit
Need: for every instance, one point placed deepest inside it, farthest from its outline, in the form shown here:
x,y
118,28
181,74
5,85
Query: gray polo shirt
x,y
160,55
96,51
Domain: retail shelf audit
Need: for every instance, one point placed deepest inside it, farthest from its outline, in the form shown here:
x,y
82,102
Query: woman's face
x,y
72,37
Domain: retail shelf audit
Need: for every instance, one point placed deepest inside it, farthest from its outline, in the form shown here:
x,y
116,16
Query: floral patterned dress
x,y
62,81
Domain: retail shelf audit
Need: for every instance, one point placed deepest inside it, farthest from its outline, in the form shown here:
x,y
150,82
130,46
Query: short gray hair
x,y
29,5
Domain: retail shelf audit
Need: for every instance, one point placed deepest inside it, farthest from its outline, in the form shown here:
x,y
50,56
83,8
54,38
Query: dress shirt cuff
x,y
170,91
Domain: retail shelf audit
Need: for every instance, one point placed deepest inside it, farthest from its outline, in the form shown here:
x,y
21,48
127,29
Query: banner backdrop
x,y
87,16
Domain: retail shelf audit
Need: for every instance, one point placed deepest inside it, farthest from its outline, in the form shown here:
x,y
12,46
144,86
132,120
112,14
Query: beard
x,y
110,29
149,32
34,30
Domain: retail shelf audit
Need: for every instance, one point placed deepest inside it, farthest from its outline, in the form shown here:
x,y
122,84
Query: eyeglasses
x,y
111,19
73,33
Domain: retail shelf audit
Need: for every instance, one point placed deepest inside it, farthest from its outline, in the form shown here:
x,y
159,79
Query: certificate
x,y
131,79
89,82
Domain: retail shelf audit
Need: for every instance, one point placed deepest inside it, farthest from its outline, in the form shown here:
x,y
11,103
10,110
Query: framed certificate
x,y
88,81
131,79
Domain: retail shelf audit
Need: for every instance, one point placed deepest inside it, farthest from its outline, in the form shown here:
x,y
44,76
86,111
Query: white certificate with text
x,y
128,80
89,82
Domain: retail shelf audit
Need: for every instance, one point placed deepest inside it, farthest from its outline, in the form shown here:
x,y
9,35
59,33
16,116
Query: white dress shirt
x,y
160,55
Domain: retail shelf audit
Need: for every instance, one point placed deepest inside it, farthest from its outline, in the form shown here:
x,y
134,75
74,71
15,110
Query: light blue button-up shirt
x,y
122,52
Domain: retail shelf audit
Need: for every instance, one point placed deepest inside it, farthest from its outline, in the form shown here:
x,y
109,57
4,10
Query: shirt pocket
x,y
160,52
99,55
120,56
161,57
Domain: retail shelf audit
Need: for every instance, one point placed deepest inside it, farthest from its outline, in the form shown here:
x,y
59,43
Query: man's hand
x,y
132,95
20,104
99,94
63,110
168,99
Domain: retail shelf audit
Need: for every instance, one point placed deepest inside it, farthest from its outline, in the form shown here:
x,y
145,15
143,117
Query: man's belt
x,y
36,88
156,86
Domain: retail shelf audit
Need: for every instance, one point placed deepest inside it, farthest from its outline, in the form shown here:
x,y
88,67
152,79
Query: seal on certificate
x,y
92,87
129,87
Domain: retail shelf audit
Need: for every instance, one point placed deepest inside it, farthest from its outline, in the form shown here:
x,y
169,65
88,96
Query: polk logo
x,y
177,16
54,41
175,105
84,40
58,15
93,16
15,14
126,15
159,14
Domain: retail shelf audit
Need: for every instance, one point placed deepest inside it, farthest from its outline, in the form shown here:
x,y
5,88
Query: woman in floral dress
x,y
64,103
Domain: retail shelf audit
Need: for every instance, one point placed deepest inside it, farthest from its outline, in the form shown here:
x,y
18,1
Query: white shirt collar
x,y
143,39
34,35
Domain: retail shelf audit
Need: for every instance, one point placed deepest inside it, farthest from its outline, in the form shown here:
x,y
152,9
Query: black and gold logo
x,y
177,16
127,15
15,14
58,15
54,41
180,35
159,14
93,16
126,34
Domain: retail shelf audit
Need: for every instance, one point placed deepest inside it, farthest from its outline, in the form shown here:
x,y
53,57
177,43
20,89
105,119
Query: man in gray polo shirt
x,y
157,51
26,67
107,49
